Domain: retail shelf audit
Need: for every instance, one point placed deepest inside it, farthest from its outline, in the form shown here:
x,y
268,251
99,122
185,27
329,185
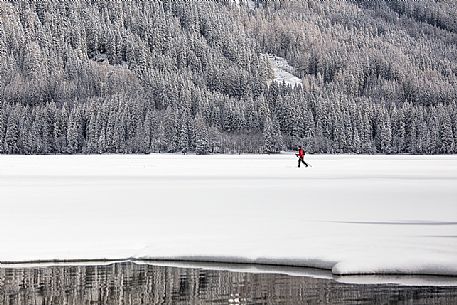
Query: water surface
x,y
130,283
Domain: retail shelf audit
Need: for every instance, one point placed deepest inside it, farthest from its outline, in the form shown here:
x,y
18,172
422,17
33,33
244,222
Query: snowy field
x,y
347,214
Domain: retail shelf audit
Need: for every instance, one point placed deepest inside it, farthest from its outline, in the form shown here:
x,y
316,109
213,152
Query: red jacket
x,y
301,153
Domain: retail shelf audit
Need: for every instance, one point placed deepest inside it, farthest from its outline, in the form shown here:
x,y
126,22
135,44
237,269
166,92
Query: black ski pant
x,y
301,160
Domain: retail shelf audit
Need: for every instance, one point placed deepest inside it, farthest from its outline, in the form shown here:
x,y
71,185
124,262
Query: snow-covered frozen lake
x,y
348,214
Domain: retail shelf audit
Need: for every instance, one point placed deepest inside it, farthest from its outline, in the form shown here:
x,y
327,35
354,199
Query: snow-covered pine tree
x,y
385,144
277,135
72,134
12,132
446,135
92,133
202,145
2,127
147,138
272,135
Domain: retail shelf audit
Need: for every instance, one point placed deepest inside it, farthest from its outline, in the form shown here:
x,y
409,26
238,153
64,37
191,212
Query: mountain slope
x,y
139,76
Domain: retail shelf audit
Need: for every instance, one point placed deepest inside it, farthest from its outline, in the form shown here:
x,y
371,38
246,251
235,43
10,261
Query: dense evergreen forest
x,y
140,76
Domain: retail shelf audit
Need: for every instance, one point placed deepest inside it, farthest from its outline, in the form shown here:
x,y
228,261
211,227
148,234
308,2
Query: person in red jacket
x,y
301,156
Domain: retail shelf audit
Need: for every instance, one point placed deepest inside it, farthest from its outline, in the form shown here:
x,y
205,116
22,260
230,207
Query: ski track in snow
x,y
348,214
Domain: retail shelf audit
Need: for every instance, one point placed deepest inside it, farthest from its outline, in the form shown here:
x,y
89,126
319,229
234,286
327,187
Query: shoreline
x,y
293,271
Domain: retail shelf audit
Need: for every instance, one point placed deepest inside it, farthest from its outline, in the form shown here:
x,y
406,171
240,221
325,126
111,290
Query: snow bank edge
x,y
343,268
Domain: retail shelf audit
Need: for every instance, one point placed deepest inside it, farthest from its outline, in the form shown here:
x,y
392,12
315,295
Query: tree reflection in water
x,y
129,283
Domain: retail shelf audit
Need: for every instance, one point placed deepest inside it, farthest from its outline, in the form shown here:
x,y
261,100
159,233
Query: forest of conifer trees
x,y
140,76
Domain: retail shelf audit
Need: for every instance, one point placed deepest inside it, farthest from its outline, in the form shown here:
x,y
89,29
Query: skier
x,y
301,156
